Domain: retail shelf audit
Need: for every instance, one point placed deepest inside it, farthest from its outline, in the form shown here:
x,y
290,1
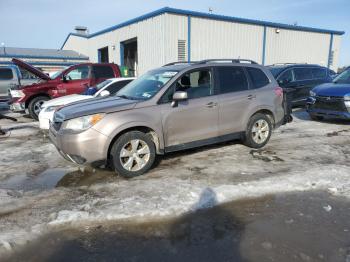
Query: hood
x,y
94,106
30,68
64,100
332,89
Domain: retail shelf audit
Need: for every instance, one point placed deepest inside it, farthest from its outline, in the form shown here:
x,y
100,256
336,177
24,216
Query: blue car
x,y
331,100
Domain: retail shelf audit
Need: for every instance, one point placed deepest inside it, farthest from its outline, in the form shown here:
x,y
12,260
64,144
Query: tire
x,y
131,163
258,122
316,118
34,105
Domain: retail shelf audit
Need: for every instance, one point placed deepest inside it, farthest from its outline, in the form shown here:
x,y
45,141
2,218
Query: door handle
x,y
250,97
211,104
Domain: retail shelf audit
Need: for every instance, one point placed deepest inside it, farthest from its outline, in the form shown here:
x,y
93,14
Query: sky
x,y
46,23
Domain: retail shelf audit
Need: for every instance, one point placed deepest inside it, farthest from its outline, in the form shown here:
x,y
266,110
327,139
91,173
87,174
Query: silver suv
x,y
175,107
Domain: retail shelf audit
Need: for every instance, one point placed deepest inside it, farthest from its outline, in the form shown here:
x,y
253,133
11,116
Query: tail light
x,y
278,91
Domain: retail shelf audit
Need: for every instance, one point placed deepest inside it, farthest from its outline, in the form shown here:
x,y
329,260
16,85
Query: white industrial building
x,y
169,35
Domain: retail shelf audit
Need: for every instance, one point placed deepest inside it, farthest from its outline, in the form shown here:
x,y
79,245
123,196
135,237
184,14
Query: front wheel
x,y
34,106
133,154
258,131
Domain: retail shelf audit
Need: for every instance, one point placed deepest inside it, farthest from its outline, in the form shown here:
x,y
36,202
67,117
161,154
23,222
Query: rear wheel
x,y
258,131
34,106
133,154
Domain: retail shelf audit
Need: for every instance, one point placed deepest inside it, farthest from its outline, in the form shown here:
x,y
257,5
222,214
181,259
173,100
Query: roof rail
x,y
236,60
288,63
180,62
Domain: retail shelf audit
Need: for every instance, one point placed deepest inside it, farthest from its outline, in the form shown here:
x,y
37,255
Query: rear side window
x,y
6,74
319,73
114,88
103,72
258,77
302,74
232,79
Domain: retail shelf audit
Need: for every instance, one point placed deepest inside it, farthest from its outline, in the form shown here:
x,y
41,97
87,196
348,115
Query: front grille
x,y
330,103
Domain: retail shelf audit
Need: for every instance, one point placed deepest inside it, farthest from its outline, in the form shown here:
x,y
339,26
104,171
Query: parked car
x,y
106,88
73,80
12,77
300,77
171,108
332,99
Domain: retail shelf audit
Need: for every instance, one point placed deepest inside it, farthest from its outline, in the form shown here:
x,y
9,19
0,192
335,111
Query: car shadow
x,y
190,151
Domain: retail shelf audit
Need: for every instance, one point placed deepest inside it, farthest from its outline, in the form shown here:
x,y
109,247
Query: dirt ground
x,y
286,202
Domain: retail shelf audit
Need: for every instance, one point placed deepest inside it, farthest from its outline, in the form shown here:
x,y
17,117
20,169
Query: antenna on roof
x,y
210,10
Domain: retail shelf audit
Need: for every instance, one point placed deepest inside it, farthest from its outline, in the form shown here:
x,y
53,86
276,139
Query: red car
x,y
73,80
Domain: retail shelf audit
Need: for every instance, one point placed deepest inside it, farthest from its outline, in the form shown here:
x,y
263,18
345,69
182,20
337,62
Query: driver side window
x,y
286,77
196,83
78,73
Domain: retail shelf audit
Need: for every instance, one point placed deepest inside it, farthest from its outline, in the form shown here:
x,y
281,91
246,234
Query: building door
x,y
130,56
103,55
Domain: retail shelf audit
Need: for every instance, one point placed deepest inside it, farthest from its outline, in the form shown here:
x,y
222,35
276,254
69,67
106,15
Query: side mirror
x,y
179,96
105,93
64,79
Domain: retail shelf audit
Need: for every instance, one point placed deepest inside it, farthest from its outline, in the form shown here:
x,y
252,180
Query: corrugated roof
x,y
38,53
208,16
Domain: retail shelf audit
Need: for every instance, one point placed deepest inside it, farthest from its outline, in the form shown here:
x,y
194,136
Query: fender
x,y
131,125
256,109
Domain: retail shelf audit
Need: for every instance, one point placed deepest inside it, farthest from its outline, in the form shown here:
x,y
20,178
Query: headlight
x,y
312,93
17,93
82,123
51,108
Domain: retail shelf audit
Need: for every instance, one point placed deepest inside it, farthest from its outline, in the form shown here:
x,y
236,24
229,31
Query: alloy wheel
x,y
134,155
260,131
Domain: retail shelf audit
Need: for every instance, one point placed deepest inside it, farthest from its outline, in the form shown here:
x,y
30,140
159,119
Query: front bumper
x,y
310,108
80,148
45,118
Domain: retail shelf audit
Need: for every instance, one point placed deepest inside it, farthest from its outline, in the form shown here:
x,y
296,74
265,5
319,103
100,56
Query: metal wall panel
x,y
76,43
220,39
157,40
336,51
289,46
175,29
150,43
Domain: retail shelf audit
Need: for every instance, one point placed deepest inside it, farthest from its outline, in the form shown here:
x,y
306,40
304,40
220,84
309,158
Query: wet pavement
x,y
58,177
290,227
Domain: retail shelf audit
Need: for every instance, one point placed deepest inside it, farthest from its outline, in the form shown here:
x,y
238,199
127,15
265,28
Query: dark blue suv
x,y
331,100
300,78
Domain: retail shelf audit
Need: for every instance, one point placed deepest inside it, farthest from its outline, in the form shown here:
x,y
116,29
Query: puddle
x,y
56,177
292,227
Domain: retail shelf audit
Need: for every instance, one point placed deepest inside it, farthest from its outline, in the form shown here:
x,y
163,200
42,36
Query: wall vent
x,y
181,50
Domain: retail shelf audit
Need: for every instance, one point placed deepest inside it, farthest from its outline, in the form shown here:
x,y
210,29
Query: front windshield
x,y
343,78
146,86
275,71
